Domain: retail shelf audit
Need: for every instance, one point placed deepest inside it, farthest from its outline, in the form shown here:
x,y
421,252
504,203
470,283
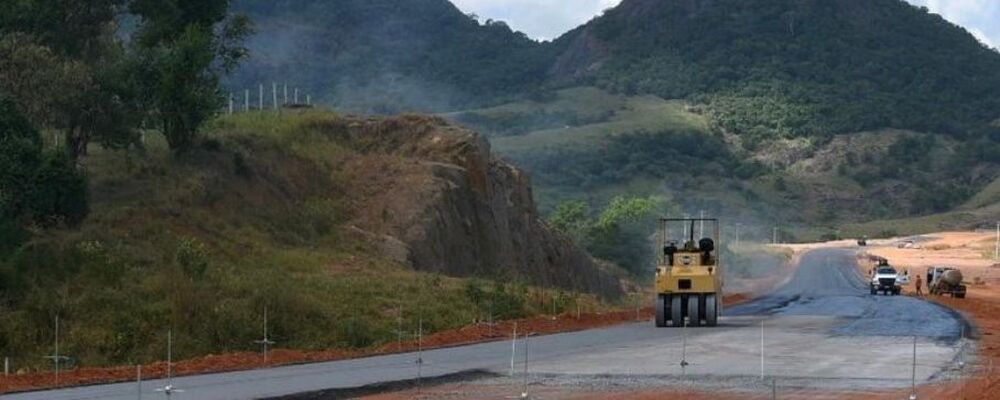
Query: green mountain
x,y
761,68
789,68
793,112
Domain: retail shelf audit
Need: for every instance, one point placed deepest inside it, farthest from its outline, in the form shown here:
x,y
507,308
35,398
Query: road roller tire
x,y
676,311
694,310
661,310
711,310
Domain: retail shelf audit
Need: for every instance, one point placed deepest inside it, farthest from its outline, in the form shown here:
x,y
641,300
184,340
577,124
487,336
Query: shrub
x,y
60,194
34,187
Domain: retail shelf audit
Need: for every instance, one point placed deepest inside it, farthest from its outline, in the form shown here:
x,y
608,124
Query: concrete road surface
x,y
821,330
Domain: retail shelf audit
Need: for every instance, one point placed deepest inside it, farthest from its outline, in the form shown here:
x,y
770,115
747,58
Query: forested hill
x,y
388,55
761,68
793,67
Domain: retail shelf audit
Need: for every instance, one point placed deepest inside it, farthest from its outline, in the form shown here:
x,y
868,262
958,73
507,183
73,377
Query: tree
x,y
45,86
620,234
573,219
55,58
35,188
59,195
186,46
20,155
72,28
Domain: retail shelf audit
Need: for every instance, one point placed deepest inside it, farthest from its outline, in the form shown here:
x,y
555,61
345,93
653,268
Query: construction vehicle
x,y
945,281
688,273
885,279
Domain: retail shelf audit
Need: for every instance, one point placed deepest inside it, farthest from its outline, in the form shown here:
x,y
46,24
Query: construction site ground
x,y
969,374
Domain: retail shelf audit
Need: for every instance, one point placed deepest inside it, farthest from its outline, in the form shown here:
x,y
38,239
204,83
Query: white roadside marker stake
x,y
913,376
513,349
524,394
761,349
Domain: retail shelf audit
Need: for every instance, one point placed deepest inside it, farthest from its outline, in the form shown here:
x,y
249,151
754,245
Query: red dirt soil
x,y
541,325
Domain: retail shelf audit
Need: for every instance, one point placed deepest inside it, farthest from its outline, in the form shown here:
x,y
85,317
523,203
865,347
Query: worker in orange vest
x,y
919,283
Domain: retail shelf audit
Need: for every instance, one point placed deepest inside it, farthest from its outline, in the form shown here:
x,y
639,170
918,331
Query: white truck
x,y
886,280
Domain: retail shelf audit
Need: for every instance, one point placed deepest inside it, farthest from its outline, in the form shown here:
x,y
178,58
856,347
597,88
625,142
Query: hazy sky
x,y
547,19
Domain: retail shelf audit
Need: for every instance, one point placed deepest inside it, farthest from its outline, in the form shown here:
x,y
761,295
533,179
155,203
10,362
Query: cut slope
x,y
437,199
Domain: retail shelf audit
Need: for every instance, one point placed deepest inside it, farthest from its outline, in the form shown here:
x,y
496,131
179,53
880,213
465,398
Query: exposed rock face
x,y
435,198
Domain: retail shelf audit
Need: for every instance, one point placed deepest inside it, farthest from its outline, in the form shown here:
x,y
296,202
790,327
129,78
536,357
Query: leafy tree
x,y
624,211
20,156
573,219
72,28
57,57
186,46
60,193
48,88
114,109
620,233
35,188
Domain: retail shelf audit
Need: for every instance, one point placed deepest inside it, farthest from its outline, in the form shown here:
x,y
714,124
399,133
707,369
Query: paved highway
x,y
822,330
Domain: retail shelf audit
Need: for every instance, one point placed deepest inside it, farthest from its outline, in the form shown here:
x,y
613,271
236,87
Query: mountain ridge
x,y
764,75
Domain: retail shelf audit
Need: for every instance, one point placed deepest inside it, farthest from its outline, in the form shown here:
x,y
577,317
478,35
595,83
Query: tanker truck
x,y
945,280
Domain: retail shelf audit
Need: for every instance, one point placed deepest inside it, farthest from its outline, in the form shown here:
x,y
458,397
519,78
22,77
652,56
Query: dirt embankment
x,y
433,196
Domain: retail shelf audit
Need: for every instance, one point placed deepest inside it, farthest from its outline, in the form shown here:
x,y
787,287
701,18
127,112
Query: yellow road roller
x,y
689,273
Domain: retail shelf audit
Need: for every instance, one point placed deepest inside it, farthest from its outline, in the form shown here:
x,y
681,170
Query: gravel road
x,y
822,330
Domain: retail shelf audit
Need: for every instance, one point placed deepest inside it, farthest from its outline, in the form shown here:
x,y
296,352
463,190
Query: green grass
x,y
629,115
201,242
990,195
646,113
579,100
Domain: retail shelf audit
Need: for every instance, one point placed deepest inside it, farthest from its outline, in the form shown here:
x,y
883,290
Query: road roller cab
x,y
689,273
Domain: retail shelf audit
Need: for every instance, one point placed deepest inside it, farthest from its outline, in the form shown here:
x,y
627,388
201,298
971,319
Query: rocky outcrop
x,y
432,196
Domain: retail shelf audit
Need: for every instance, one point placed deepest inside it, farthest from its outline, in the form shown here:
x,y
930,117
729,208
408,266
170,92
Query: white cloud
x,y
979,17
540,19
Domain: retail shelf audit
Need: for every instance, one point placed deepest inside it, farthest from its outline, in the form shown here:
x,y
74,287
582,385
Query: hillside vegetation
x,y
129,206
267,211
790,68
763,69
646,146
782,112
